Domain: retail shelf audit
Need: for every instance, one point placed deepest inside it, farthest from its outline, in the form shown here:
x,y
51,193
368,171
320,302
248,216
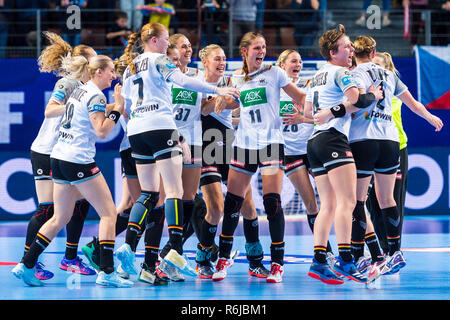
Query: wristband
x,y
114,116
338,111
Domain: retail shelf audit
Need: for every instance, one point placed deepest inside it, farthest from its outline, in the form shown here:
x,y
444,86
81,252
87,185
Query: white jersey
x,y
225,117
125,143
147,94
187,109
260,124
376,121
77,137
48,133
327,89
296,135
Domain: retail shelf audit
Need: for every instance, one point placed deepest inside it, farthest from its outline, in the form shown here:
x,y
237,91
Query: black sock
x,y
38,246
311,220
233,204
251,230
207,234
188,207
359,225
345,251
372,243
75,227
106,256
122,221
153,233
275,216
43,213
392,221
320,254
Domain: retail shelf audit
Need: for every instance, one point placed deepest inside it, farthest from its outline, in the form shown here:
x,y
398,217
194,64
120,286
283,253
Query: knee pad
x,y
233,203
272,205
148,199
44,212
81,209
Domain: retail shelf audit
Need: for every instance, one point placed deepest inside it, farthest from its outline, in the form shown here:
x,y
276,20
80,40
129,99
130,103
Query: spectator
x,y
386,6
135,16
4,19
160,11
244,17
305,21
118,34
212,17
25,21
71,34
440,27
259,21
416,7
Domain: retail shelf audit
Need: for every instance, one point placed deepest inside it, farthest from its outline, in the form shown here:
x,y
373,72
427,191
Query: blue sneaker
x,y
180,262
26,275
322,272
348,270
127,258
41,273
394,263
76,266
112,280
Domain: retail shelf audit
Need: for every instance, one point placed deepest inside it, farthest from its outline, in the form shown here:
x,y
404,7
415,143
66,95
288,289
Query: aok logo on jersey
x,y
183,96
286,107
253,97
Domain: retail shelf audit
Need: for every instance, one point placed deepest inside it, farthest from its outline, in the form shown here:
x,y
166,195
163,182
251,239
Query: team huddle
x,y
187,129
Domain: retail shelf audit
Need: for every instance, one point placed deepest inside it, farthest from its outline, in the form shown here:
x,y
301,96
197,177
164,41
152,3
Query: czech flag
x,y
433,76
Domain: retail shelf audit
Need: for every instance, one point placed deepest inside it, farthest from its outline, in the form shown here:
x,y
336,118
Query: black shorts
x,y
40,163
216,151
128,164
248,161
296,162
328,150
196,158
151,146
72,173
380,156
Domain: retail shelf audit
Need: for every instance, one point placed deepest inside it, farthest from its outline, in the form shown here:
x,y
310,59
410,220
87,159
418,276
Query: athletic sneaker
x,y
205,270
20,271
331,259
258,271
323,272
221,269
276,273
76,266
348,270
172,273
151,276
112,280
363,263
376,270
394,263
127,258
180,262
41,273
122,272
361,21
92,253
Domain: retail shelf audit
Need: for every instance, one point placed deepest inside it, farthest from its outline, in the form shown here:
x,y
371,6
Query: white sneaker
x,y
122,272
363,263
386,21
222,267
171,272
376,270
361,21
180,262
276,273
127,258
331,259
20,271
150,277
112,280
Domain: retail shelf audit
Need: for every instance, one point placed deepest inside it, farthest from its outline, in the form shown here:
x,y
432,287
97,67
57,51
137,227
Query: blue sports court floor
x,y
426,247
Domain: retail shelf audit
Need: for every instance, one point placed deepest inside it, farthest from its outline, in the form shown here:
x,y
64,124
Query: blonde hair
x,y
206,51
98,62
246,41
171,48
148,31
283,56
58,57
364,46
329,41
173,39
74,67
121,64
387,59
